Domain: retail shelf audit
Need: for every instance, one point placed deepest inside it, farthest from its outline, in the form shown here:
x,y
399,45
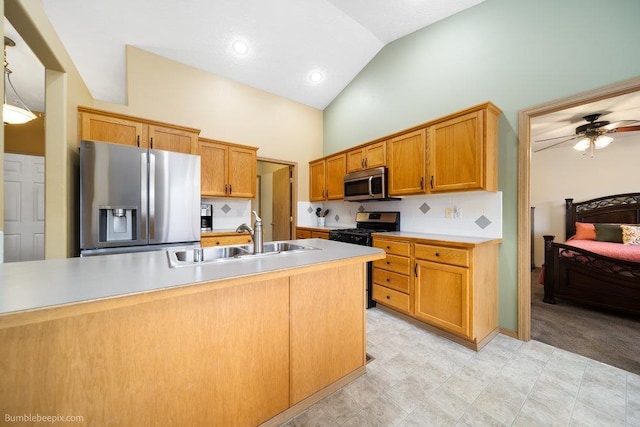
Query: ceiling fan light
x,y
602,141
14,115
582,145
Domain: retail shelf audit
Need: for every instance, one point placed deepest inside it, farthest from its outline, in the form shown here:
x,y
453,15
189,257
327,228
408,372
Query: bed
x,y
583,272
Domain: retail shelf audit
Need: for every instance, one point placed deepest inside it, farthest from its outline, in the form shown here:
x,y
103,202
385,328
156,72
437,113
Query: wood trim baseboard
x,y
305,404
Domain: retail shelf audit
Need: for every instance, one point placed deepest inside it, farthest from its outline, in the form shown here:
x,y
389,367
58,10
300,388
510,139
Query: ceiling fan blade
x,y
620,124
557,137
554,144
627,129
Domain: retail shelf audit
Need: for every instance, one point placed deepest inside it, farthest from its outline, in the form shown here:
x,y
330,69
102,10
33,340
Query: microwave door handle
x,y
371,186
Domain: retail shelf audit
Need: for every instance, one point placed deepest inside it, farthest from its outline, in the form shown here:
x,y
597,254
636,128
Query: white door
x,y
23,207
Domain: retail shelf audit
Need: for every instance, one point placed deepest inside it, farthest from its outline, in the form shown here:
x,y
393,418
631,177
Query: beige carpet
x,y
601,335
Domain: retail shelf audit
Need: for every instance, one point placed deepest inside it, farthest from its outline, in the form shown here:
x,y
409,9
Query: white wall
x,y
560,173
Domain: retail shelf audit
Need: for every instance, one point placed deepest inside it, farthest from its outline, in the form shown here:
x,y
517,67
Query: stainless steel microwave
x,y
367,184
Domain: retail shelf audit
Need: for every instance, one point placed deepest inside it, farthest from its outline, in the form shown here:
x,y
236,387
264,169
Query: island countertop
x,y
40,284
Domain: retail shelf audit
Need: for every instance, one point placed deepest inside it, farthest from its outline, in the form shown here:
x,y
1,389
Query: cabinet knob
x,y
388,280
431,181
218,243
388,262
230,191
151,142
422,182
437,253
388,247
388,297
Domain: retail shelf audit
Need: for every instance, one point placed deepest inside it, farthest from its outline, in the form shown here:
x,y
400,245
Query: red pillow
x,y
585,231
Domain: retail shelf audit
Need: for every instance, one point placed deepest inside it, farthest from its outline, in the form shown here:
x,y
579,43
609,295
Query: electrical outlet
x,y
448,212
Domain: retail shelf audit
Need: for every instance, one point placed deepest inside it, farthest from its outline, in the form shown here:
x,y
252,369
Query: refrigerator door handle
x,y
152,196
143,194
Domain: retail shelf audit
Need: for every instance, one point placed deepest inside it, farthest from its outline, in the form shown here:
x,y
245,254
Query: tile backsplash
x,y
229,213
475,214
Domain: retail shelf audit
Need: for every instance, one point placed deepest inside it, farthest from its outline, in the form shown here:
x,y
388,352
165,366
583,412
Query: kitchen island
x,y
126,340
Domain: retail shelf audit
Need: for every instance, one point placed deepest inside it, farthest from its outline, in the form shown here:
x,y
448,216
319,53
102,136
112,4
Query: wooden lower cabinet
x,y
442,296
392,280
452,286
311,233
225,239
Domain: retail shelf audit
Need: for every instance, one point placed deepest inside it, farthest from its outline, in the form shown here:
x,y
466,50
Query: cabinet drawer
x,y
303,234
240,239
395,263
396,281
395,248
442,254
394,299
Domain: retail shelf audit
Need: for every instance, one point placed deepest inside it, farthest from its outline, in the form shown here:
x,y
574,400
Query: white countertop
x,y
441,237
39,284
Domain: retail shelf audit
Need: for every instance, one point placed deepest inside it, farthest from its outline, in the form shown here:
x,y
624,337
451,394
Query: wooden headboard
x,y
616,209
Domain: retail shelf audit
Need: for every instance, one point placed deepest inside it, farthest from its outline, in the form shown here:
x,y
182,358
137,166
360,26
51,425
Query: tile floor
x,y
420,379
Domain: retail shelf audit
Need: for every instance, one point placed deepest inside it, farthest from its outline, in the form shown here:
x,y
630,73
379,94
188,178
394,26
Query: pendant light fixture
x,y
13,114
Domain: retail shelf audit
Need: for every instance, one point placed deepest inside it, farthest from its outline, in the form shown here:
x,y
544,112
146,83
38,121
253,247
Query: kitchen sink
x,y
285,247
188,257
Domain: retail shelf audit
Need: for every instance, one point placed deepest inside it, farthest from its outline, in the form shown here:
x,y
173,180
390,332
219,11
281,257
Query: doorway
x,y
524,186
275,198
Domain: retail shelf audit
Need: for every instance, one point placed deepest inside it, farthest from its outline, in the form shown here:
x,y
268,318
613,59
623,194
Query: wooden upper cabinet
x,y
170,139
317,180
242,172
462,151
227,170
336,169
407,167
105,126
326,178
98,127
369,156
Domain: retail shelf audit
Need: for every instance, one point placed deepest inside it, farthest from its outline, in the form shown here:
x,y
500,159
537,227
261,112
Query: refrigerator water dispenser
x,y
117,224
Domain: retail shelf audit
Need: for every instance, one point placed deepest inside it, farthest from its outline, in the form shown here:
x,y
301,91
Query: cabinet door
x,y
355,160
316,180
456,157
336,169
442,296
213,169
376,155
165,138
242,172
96,127
407,163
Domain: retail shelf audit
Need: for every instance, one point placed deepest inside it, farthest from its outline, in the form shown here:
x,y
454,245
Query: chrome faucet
x,y
255,232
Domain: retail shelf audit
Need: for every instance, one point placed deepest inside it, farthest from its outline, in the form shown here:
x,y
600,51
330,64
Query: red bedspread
x,y
612,250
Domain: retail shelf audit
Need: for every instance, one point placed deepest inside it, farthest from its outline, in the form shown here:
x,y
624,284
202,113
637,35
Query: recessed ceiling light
x,y
316,76
240,47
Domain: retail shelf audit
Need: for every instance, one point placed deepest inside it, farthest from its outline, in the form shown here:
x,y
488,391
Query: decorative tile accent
x,y
424,208
337,218
361,208
483,222
309,209
226,208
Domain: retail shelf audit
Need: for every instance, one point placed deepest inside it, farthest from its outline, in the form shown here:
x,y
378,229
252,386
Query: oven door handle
x,y
371,187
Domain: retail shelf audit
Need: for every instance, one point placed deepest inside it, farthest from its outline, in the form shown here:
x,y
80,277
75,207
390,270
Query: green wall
x,y
515,53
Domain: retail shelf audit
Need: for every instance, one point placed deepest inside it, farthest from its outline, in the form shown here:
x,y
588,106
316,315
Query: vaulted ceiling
x,y
287,40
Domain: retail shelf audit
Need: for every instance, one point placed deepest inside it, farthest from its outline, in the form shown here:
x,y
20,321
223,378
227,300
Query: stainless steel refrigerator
x,y
135,199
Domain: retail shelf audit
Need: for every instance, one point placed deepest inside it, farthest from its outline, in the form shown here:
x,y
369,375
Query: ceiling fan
x,y
594,134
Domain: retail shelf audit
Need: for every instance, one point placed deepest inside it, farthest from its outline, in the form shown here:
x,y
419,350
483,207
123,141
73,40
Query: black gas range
x,y
367,223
